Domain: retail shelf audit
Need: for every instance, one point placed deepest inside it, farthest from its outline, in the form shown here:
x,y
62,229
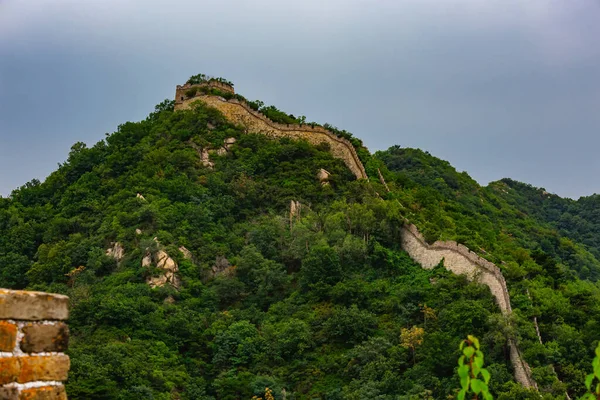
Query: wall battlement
x,y
240,113
33,339
460,260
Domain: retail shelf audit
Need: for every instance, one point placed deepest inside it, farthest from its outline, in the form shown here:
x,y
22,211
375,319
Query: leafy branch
x,y
473,377
593,390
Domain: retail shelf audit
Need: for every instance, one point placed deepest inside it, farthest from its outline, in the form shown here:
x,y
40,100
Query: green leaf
x,y
464,382
588,381
476,370
477,385
598,351
461,395
468,351
479,360
487,396
461,360
486,375
463,371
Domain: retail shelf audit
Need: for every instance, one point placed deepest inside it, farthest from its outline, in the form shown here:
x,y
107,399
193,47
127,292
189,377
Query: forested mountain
x,y
282,280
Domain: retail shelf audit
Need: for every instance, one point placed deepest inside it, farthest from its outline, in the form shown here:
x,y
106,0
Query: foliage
x,y
202,78
315,309
593,389
473,377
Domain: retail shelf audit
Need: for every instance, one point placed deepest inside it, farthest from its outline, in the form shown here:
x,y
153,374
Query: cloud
x,y
509,76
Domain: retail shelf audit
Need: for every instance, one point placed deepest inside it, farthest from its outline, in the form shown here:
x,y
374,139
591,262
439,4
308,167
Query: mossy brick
x,y
43,368
9,370
38,338
33,306
8,336
44,393
9,393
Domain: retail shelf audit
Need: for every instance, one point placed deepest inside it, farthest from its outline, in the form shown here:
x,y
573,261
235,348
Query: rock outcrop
x,y
323,177
116,251
169,273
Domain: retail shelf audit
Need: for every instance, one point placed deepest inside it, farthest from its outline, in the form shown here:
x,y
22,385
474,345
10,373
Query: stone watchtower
x,y
188,91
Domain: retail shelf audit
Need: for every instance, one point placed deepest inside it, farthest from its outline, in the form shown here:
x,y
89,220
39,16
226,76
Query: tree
x,y
411,338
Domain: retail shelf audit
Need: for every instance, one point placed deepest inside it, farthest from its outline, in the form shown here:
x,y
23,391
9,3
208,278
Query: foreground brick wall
x,y
33,340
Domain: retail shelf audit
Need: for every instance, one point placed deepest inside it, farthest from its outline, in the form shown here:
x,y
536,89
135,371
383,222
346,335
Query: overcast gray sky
x,y
500,88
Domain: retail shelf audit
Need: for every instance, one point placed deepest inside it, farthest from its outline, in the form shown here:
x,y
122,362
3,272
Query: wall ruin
x,y
460,260
240,113
33,339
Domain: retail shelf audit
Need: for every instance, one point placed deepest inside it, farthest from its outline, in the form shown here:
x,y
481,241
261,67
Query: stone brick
x,y
18,304
44,368
44,393
8,336
9,369
9,394
45,338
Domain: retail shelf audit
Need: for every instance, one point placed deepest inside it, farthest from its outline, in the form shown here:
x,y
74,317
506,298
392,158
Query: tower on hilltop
x,y
191,90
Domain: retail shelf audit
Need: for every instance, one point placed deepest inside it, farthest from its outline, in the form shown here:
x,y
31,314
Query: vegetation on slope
x,y
324,305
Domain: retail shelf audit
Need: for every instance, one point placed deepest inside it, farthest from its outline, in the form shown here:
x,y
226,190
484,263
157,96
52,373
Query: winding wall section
x,y
460,260
240,113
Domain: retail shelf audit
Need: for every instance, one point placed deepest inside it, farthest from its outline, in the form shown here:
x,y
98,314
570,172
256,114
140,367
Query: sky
x,y
499,88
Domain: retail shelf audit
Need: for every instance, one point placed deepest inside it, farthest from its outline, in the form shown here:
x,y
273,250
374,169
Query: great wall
x,y
239,112
34,336
457,258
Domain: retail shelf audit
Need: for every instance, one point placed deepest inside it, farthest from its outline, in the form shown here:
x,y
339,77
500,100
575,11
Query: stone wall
x,y
460,260
240,113
33,339
180,91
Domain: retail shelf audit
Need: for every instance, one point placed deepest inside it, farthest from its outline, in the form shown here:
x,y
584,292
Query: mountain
x,y
220,247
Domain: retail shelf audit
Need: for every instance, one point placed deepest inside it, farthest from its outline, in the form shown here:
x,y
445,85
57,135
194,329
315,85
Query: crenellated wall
x,y
33,339
239,112
180,91
460,260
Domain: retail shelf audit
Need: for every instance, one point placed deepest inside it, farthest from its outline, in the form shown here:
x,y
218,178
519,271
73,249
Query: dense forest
x,y
315,302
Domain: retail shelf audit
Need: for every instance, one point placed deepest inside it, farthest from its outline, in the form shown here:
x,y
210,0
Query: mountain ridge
x,y
312,303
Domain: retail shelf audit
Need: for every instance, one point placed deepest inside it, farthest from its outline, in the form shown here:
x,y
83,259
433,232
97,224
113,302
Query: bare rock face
x,y
295,208
229,142
147,260
221,151
139,196
205,158
186,253
116,251
162,261
138,231
323,177
222,267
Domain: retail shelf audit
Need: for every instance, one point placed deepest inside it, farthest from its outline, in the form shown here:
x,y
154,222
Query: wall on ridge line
x,y
241,113
33,339
460,260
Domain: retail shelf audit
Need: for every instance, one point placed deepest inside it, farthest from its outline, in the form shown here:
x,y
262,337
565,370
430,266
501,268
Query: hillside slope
x,y
231,267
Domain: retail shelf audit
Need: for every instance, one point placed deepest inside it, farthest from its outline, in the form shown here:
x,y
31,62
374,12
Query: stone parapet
x,y
33,339
460,260
240,113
